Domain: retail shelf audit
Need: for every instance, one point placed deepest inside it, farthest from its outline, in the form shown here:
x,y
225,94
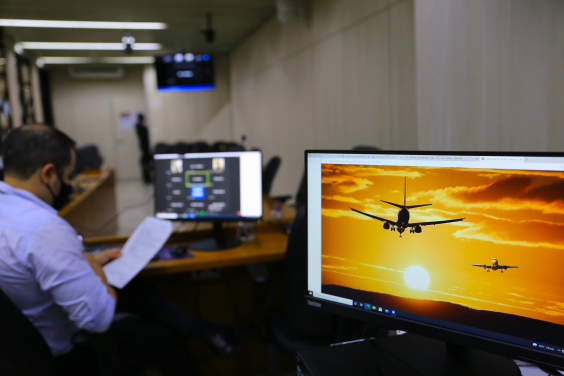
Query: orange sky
x,y
514,216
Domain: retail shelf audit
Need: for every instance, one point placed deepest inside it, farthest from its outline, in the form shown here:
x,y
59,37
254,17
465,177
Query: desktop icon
x,y
387,311
535,345
380,309
393,312
374,308
367,306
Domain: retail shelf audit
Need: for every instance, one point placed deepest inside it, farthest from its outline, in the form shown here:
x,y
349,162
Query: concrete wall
x,y
343,74
490,74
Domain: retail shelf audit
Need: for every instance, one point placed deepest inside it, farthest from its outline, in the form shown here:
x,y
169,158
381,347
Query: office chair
x,y
294,327
24,352
269,173
87,157
222,146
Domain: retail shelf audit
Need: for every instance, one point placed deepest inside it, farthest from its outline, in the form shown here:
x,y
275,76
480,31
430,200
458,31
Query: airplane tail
x,y
405,198
405,191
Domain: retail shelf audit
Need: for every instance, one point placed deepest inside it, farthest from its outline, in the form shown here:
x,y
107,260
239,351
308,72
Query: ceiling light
x,y
87,46
98,60
18,48
84,24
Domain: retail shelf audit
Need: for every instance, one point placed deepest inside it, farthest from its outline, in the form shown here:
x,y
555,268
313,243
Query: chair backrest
x,y
23,351
227,146
303,320
87,157
269,173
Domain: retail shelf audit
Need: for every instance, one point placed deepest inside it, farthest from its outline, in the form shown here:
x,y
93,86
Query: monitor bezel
x,y
494,346
208,218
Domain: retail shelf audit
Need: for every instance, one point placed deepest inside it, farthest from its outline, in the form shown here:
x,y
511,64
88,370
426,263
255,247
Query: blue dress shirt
x,y
43,271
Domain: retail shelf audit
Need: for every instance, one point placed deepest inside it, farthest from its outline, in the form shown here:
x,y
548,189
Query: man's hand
x,y
97,267
107,255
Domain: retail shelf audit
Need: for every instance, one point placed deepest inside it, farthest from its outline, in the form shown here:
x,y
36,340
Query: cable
x,y
114,217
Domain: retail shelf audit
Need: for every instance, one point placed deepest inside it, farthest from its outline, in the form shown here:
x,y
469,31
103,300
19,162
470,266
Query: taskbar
x,y
448,325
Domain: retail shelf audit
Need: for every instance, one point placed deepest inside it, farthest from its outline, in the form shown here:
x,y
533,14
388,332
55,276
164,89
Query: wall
x,y
189,116
340,76
490,74
88,111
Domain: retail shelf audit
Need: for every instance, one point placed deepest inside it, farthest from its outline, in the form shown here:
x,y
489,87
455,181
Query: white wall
x,y
490,74
340,76
189,116
88,111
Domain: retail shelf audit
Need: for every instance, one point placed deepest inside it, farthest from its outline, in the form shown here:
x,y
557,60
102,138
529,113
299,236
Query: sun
x,y
416,278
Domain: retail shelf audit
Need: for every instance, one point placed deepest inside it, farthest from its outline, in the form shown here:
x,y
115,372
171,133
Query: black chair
x,y
164,148
269,173
87,157
24,352
221,146
294,326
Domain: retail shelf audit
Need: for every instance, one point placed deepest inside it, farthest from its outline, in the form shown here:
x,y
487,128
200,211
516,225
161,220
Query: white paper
x,y
139,249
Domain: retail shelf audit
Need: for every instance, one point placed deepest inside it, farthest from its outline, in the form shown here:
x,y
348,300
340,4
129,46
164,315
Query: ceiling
x,y
233,20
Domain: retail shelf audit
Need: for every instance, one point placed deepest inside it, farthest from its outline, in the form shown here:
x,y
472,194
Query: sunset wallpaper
x,y
514,216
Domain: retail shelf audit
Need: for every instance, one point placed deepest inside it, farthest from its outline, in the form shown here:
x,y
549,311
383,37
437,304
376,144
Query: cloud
x,y
523,234
353,178
514,294
334,257
341,199
348,268
513,193
381,267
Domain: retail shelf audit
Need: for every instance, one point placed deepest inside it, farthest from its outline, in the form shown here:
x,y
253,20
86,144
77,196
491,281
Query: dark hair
x,y
29,147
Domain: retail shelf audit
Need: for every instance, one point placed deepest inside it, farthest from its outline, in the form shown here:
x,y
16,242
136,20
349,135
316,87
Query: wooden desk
x,y
93,207
269,245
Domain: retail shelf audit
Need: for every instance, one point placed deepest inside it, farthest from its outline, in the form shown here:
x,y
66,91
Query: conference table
x,y
214,285
93,209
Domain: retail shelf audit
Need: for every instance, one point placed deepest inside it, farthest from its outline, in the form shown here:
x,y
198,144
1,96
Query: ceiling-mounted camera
x,y
208,31
128,41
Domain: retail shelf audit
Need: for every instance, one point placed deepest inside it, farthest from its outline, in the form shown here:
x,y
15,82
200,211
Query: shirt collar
x,y
9,190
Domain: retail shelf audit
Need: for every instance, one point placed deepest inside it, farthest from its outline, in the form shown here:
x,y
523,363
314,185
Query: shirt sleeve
x,y
55,255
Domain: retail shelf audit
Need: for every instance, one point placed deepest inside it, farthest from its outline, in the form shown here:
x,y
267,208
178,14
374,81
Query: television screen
x,y
185,72
465,243
208,186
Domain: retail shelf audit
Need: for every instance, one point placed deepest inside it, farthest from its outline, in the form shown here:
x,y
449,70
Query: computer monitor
x,y
185,72
214,187
463,247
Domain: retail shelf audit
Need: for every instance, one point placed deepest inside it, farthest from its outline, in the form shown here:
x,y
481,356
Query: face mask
x,y
60,200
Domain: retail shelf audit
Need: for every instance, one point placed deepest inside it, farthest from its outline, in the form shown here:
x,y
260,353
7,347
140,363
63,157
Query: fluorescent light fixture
x,y
98,60
87,46
84,24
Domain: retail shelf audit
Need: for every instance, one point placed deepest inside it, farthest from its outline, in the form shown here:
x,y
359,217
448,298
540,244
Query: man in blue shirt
x,y
43,269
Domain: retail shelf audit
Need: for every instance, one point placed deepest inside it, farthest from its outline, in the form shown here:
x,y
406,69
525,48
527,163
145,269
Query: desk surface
x,y
269,245
89,181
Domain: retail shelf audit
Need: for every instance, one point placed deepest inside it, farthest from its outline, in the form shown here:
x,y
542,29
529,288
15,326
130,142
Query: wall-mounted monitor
x,y
463,247
185,72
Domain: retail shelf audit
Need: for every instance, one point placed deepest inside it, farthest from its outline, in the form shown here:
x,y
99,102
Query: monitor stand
x,y
403,355
217,242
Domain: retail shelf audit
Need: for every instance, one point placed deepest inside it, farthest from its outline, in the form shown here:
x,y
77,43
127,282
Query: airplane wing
x,y
507,267
482,266
374,217
435,222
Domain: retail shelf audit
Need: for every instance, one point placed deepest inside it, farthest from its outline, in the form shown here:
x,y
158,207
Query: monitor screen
x,y
185,72
208,186
465,243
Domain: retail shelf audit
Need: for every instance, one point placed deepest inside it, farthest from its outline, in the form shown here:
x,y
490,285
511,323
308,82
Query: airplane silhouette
x,y
494,266
402,222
